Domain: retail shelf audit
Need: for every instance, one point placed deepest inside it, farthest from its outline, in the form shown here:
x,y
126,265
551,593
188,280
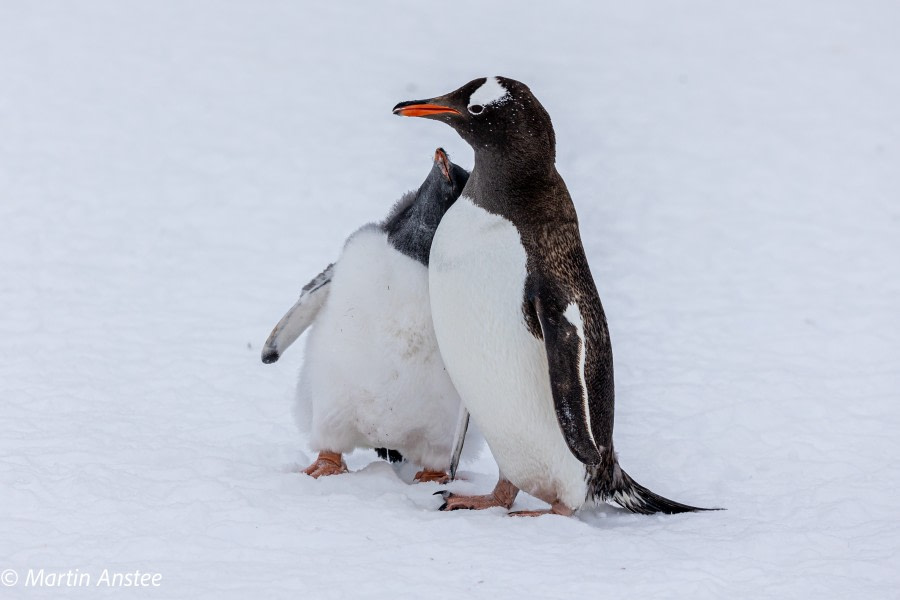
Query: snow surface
x,y
172,173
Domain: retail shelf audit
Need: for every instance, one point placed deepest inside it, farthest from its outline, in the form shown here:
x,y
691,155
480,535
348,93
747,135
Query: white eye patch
x,y
490,92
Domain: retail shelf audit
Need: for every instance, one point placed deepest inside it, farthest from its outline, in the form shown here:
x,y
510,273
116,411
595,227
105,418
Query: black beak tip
x,y
401,105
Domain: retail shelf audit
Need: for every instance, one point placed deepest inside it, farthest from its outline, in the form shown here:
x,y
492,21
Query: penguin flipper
x,y
299,317
459,440
580,376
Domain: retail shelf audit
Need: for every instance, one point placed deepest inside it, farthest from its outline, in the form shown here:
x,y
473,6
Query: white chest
x,y
476,277
373,375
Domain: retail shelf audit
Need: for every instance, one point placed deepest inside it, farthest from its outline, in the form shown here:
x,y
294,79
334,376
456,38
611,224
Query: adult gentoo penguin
x,y
517,315
373,376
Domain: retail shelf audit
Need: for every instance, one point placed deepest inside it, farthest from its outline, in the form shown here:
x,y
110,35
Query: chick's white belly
x,y
373,375
477,274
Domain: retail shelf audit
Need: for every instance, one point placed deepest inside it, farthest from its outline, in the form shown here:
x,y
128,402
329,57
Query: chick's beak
x,y
443,161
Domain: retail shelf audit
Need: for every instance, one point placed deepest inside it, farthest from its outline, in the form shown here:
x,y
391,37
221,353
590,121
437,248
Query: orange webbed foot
x,y
558,508
503,495
427,475
328,463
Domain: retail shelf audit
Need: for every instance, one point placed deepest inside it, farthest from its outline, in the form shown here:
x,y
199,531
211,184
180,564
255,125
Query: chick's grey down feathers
x,y
411,224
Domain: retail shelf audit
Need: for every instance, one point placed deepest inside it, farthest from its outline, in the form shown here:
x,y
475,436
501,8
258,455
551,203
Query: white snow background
x,y
171,174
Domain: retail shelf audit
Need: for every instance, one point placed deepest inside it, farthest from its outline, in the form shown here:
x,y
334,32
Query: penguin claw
x,y
445,496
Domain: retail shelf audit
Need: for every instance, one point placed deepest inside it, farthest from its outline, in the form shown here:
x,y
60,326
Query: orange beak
x,y
421,109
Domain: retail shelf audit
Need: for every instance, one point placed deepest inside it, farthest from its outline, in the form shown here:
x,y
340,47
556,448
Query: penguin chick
x,y
373,376
517,315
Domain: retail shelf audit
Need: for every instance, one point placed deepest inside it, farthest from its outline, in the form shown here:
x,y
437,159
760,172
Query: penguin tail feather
x,y
392,456
636,498
611,483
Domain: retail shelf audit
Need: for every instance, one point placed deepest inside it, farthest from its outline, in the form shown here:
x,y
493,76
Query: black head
x,y
414,219
491,113
444,184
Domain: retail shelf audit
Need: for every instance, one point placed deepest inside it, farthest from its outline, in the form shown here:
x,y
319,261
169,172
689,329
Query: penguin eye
x,y
476,109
